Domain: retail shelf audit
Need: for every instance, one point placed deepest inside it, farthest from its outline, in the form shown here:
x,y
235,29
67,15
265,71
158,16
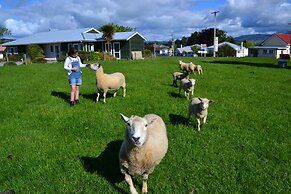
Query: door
x,y
57,51
116,50
108,48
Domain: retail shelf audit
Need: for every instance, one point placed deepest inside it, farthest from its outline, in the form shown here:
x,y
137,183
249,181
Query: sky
x,y
154,19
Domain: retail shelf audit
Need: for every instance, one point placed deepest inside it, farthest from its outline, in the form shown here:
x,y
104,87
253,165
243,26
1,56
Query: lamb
x,y
105,82
198,68
188,86
188,67
199,107
144,146
179,76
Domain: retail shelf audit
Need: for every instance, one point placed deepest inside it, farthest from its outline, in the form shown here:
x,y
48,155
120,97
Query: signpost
x,y
203,49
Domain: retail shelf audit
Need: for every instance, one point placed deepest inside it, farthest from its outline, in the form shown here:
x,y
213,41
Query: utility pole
x,y
214,34
173,43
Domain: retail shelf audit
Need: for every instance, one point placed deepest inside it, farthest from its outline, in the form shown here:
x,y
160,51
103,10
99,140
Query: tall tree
x,y
122,28
205,37
108,31
4,31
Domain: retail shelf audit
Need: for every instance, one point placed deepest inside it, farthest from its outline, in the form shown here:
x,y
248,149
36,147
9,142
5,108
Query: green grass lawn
x,y
46,146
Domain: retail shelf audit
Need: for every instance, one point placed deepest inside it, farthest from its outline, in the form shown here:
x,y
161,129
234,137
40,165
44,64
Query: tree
x,y
226,51
123,28
4,31
248,43
119,28
193,39
205,37
108,31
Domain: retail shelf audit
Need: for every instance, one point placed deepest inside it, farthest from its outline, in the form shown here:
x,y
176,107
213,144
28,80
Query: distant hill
x,y
257,38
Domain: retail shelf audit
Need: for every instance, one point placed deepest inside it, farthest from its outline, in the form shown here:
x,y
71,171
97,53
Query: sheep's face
x,y
192,82
95,67
136,131
204,103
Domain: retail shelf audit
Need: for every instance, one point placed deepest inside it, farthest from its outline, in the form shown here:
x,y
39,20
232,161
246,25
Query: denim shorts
x,y
75,81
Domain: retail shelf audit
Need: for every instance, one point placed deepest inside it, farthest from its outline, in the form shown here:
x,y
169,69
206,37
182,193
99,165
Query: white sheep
x,y
179,76
188,86
188,67
199,107
198,68
143,148
106,82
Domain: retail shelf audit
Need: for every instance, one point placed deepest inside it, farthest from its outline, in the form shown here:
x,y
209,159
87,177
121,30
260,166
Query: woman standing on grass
x,y
73,64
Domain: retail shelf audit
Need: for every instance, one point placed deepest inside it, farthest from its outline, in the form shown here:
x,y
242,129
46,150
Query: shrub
x,y
10,63
147,53
61,58
89,56
39,60
35,52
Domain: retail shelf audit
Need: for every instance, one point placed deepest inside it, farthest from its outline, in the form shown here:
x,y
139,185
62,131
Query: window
x,y
76,46
12,50
265,51
271,51
52,49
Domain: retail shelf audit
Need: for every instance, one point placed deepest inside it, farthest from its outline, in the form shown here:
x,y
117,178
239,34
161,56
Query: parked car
x,y
184,54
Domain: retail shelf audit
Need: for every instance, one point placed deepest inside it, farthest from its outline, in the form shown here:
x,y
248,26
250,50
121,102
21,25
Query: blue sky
x,y
155,20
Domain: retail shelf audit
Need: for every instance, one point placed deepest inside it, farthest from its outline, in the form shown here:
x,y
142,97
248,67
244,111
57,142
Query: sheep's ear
x,y
99,65
211,101
124,118
200,99
151,121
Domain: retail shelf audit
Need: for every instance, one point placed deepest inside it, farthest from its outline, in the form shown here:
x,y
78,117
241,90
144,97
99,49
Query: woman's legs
x,y
77,93
73,91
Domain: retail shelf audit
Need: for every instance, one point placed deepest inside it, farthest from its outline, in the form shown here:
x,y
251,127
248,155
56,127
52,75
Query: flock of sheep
x,y
146,143
197,106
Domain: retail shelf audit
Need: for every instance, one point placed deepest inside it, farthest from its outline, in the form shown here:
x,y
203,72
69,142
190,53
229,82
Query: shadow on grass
x,y
90,96
253,64
106,164
175,95
94,96
61,95
178,119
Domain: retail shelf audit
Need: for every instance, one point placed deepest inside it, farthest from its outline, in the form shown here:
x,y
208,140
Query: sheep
x,y
198,68
188,67
179,76
188,86
144,146
105,82
199,107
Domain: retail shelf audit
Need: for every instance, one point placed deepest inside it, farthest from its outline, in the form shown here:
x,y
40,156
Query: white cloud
x,y
20,27
285,4
153,19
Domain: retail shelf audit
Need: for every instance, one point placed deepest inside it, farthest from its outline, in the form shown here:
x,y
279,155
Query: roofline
x,y
268,47
136,34
92,29
7,44
277,34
